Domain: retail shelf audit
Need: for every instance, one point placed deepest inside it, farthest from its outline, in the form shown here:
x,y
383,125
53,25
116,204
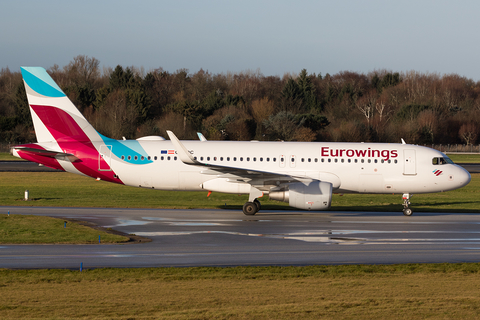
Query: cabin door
x,y
104,158
410,167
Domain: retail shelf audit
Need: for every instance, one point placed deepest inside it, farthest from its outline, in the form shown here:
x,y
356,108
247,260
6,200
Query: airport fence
x,y
5,147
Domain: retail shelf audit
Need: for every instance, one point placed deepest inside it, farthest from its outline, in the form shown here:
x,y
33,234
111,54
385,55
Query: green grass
x,y
5,156
411,291
16,229
69,190
465,158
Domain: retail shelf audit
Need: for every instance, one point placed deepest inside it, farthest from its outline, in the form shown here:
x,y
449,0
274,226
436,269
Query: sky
x,y
220,36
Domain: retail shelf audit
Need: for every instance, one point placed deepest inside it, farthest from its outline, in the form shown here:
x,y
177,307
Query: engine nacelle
x,y
316,195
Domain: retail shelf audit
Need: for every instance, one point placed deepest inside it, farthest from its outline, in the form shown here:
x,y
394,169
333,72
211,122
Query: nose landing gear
x,y
406,202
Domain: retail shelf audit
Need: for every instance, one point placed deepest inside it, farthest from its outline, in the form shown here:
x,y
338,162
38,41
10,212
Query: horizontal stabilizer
x,y
48,153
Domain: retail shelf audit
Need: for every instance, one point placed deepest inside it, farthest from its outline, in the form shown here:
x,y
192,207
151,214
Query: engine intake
x,y
316,195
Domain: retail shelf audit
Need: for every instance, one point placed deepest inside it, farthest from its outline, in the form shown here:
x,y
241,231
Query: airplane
x,y
303,174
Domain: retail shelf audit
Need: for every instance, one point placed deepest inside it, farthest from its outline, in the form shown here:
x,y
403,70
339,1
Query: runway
x,y
228,238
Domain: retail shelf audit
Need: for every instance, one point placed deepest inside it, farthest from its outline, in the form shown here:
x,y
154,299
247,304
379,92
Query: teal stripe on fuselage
x,y
127,148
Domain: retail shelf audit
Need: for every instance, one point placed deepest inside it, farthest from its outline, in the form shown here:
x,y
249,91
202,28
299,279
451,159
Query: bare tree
x,y
366,105
468,132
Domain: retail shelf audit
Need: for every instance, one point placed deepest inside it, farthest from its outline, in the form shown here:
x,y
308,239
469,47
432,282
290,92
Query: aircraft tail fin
x,y
55,117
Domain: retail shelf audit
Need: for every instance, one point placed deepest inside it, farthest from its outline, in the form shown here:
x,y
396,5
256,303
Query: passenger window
x,y
149,158
168,158
375,160
221,158
175,158
155,158
349,160
201,158
362,161
248,158
254,159
369,160
303,160
268,159
234,158
342,160
228,158
123,157
329,160
194,158
389,161
323,160
316,160
309,160
208,159
129,158
274,159
241,158
395,161
261,159
136,158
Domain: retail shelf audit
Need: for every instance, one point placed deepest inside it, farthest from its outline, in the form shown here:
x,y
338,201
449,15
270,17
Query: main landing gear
x,y
406,201
250,208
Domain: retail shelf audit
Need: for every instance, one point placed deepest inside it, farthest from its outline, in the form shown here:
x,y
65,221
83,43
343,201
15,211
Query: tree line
x,y
381,106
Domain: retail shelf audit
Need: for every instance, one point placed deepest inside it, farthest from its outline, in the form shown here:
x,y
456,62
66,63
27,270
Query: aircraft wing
x,y
239,174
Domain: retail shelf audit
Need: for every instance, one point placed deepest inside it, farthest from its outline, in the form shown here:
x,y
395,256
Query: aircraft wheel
x,y
250,208
258,204
408,212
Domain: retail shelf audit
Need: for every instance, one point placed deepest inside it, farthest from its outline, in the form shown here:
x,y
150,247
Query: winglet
x,y
183,153
403,141
201,136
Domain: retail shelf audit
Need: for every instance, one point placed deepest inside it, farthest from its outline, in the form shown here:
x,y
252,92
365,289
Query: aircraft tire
x,y
408,212
250,208
258,204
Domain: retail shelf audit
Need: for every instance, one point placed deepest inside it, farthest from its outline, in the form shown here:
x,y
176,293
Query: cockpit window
x,y
441,160
448,160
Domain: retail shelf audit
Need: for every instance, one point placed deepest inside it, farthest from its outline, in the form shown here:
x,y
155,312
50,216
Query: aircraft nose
x,y
462,177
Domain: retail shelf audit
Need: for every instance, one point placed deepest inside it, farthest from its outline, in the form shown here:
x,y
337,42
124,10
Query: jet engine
x,y
314,195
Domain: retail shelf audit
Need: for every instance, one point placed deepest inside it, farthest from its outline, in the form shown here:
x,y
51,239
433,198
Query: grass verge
x,y
68,190
411,291
5,156
19,229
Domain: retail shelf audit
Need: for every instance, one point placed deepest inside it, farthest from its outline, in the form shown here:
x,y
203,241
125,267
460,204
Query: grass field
x,y
5,156
69,190
444,291
464,158
36,229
